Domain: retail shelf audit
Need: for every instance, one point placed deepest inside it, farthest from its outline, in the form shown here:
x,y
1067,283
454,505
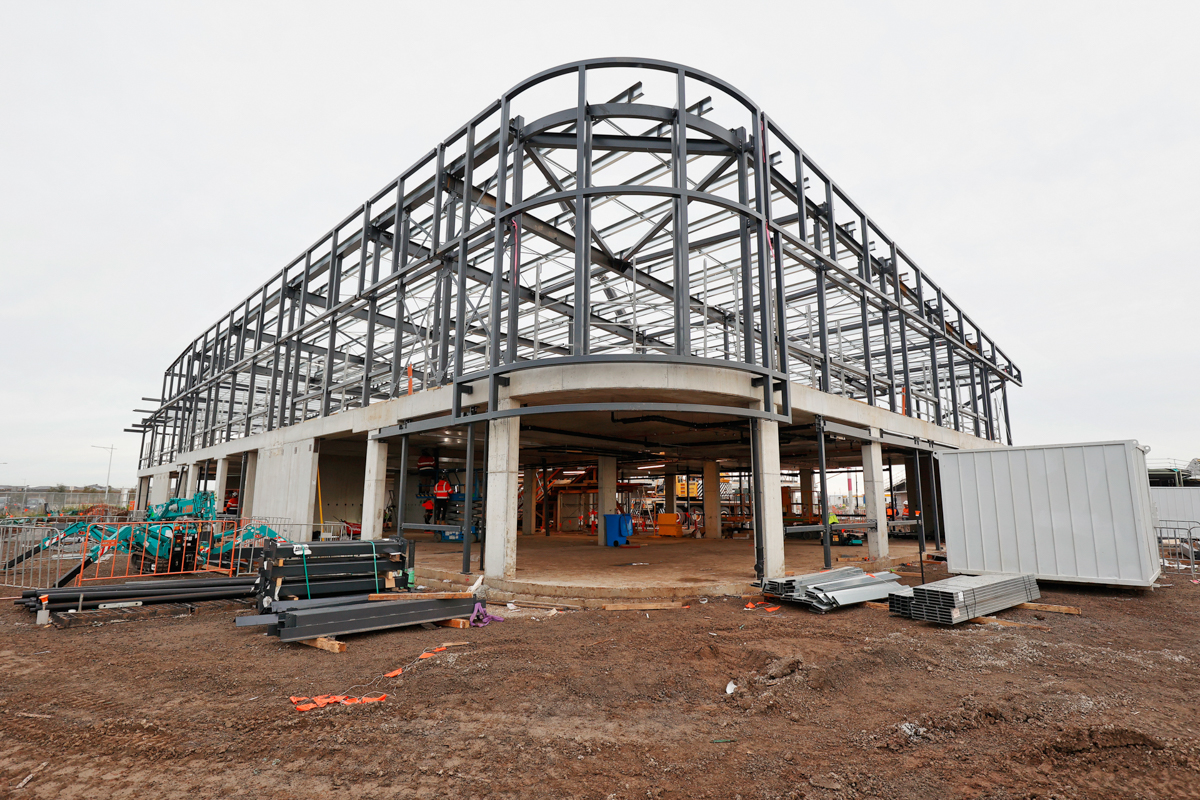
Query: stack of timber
x,y
825,591
138,593
310,570
966,597
324,617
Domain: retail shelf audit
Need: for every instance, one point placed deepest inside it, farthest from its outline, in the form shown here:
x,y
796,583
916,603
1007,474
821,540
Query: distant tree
x,y
58,488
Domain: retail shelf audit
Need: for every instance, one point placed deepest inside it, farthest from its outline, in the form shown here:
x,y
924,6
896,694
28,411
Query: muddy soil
x,y
596,704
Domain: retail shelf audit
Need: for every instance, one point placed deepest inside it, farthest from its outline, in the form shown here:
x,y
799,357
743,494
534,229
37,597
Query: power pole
x,y
108,476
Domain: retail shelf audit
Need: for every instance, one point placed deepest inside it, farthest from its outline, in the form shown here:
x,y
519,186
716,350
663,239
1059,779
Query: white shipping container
x,y
1072,512
1177,503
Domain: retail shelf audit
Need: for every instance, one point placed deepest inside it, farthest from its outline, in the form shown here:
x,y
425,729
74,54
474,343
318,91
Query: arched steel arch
x,y
708,236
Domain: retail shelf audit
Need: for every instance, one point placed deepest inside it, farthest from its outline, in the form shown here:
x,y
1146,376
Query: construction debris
x,y
825,591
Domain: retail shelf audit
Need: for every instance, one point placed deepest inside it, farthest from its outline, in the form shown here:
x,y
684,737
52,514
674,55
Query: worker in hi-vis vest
x,y
441,494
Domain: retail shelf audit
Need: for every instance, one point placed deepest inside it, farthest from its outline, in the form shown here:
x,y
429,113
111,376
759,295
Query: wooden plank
x,y
557,606
325,643
1008,623
1056,609
908,574
453,623
853,558
421,596
640,606
882,606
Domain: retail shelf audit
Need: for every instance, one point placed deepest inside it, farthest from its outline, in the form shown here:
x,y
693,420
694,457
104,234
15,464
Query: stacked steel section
x,y
966,597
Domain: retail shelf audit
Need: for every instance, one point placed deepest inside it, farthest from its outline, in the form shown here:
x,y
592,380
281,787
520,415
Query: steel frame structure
x,y
603,210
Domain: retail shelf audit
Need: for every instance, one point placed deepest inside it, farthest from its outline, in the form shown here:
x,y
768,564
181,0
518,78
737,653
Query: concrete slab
x,y
565,565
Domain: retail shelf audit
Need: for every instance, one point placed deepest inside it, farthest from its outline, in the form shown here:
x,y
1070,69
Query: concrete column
x,y
606,497
246,501
143,494
669,499
529,495
160,488
712,500
193,479
374,489
806,492
221,482
874,492
503,465
771,506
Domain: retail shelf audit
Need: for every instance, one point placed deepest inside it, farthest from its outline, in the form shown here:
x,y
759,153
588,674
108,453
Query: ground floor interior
x,y
712,471
684,566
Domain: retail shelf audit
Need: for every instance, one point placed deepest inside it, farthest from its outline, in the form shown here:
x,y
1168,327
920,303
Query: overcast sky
x,y
158,161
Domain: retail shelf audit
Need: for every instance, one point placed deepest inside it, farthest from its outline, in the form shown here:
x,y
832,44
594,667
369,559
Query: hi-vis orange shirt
x,y
442,490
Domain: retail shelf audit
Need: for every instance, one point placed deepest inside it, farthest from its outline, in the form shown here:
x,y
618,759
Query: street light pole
x,y
107,476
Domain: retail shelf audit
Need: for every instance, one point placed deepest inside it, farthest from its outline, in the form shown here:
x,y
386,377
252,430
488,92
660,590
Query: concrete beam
x,y
809,401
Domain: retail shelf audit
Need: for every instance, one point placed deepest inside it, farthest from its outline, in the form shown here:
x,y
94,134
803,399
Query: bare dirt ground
x,y
597,704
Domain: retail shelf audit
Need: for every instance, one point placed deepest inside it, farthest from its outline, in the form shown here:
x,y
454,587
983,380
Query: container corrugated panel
x,y
1073,512
1177,502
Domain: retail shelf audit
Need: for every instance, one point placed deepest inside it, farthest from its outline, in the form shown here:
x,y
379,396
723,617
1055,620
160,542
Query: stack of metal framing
x,y
782,587
900,601
306,570
825,591
146,592
965,597
297,620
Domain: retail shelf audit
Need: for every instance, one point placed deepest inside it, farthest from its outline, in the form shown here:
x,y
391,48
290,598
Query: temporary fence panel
x,y
1075,512
1177,544
36,556
1177,502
